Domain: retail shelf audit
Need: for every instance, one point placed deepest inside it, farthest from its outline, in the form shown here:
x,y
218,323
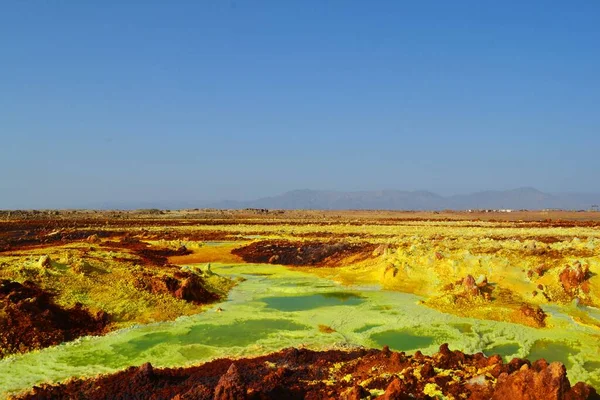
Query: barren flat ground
x,y
299,304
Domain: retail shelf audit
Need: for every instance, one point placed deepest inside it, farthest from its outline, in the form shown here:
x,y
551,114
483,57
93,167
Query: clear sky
x,y
123,102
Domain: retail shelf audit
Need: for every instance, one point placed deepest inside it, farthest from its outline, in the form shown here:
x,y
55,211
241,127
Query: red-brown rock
x,y
230,386
549,383
396,390
192,289
32,320
305,374
573,276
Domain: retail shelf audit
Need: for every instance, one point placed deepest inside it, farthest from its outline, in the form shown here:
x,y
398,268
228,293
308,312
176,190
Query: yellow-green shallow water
x,y
277,308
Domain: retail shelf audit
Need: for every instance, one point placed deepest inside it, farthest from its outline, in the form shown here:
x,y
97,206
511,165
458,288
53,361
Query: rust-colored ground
x,y
308,253
30,319
352,375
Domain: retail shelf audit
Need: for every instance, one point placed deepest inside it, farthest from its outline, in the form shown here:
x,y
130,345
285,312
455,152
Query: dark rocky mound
x,y
358,374
303,253
160,256
29,319
147,255
182,285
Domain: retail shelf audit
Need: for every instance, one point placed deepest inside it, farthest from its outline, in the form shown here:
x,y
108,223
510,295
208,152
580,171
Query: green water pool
x,y
312,301
401,340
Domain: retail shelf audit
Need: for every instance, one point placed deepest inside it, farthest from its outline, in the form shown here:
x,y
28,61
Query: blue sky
x,y
128,102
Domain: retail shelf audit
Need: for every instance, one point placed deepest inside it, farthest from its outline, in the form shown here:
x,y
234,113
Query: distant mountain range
x,y
521,198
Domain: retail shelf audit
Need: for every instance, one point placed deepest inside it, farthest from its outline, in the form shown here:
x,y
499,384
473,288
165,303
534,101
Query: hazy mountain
x,y
312,199
522,198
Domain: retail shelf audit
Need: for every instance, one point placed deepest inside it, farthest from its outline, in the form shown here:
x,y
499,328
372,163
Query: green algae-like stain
x,y
505,350
312,301
215,243
401,340
101,358
382,308
366,328
241,333
463,328
591,365
143,343
297,284
552,351
195,352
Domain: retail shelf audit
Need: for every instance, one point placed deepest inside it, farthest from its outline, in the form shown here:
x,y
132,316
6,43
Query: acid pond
x,y
275,308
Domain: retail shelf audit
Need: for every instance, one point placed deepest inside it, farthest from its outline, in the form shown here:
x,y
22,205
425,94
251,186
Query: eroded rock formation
x,y
574,278
359,374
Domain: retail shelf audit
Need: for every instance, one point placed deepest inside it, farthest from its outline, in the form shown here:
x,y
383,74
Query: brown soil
x,y
31,234
303,253
29,319
358,374
148,256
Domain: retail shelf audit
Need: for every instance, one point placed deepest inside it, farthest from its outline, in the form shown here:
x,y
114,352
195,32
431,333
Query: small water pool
x,y
552,351
312,301
402,340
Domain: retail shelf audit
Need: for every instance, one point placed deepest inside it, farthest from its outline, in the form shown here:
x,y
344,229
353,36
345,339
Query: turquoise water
x,y
275,308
